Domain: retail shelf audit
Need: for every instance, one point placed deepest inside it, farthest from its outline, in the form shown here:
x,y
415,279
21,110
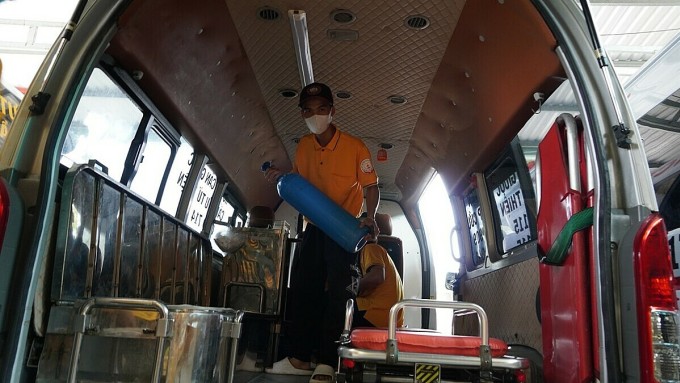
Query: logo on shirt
x,y
366,166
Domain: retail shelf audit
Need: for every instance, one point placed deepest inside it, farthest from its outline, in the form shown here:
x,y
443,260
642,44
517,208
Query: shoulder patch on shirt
x,y
366,166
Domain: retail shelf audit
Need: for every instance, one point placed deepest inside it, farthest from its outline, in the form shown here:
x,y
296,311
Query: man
x,y
340,166
379,289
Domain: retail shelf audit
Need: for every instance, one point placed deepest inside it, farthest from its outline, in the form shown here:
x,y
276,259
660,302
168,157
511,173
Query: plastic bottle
x,y
332,219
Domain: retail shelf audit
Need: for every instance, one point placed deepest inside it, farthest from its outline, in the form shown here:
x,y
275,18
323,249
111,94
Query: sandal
x,y
323,373
284,367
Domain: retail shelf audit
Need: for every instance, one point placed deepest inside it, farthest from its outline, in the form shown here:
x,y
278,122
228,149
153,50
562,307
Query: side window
x,y
512,198
475,222
219,229
225,211
200,200
104,124
152,166
177,177
240,220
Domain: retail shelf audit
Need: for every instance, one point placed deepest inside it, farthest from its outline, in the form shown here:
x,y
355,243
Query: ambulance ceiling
x,y
631,31
620,29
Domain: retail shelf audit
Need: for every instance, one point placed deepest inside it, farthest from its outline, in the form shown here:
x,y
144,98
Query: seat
x,y
368,352
251,274
252,281
392,244
261,216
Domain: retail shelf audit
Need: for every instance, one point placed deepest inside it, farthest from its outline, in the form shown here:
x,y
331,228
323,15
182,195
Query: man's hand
x,y
272,174
369,222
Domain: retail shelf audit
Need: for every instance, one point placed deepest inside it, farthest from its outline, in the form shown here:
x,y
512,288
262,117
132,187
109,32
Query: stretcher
x,y
375,354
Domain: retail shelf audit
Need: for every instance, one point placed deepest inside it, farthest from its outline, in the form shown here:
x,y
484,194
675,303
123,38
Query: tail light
x,y
4,210
657,305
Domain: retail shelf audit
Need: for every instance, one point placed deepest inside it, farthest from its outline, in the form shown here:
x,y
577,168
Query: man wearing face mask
x,y
339,165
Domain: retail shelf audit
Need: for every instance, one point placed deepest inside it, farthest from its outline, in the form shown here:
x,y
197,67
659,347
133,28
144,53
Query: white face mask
x,y
318,124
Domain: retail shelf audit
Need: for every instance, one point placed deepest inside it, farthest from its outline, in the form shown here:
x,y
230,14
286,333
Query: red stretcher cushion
x,y
426,342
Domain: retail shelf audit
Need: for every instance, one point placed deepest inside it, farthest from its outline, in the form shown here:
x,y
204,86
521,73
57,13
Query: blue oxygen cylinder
x,y
332,219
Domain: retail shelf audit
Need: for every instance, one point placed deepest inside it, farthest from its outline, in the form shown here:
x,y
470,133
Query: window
x,y
412,261
475,222
240,220
152,167
225,211
200,200
437,215
222,218
513,204
177,177
104,124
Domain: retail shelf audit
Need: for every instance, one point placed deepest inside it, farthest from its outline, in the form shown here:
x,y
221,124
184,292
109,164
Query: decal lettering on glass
x,y
512,211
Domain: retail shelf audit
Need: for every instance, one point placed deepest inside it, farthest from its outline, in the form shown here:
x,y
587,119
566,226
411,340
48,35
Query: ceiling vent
x,y
343,94
343,16
288,93
417,22
269,14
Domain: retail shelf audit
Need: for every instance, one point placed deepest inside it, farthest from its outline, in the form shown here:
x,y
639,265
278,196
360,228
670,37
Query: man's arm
x,y
372,195
374,276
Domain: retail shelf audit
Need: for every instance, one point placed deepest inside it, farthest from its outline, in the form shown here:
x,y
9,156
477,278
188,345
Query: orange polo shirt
x,y
340,169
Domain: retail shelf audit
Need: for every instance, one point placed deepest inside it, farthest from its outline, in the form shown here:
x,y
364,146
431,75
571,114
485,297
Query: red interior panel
x,y
564,289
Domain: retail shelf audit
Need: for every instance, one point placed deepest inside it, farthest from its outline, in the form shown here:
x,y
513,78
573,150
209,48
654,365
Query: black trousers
x,y
318,293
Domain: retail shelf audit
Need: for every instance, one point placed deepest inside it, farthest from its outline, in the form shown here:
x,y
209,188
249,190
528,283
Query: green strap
x,y
558,251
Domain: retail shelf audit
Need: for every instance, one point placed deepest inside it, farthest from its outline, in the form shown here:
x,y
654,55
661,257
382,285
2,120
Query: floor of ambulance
x,y
257,377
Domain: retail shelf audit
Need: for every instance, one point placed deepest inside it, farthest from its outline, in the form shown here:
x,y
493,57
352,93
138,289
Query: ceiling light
x,y
397,99
343,34
298,25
